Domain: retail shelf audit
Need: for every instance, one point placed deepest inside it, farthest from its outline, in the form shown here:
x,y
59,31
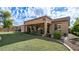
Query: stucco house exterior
x,y
45,25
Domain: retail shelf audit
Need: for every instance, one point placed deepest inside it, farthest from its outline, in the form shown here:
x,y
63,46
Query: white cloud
x,y
73,12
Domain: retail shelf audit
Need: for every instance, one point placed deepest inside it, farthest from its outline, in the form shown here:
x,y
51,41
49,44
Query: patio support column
x,y
52,28
31,28
45,28
25,28
22,28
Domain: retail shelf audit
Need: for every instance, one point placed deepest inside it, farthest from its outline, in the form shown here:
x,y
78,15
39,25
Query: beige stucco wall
x,y
64,26
48,20
38,21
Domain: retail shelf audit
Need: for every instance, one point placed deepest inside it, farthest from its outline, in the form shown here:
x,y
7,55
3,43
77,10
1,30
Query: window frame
x,y
58,27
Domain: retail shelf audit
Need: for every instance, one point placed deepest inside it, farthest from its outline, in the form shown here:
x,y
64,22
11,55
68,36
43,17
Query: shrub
x,y
76,33
57,35
71,31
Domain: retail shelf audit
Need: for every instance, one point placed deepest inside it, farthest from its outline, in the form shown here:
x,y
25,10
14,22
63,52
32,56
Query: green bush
x,y
74,32
71,30
57,35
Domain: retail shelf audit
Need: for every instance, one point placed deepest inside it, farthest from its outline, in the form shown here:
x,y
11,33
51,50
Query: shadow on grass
x,y
49,39
13,38
18,37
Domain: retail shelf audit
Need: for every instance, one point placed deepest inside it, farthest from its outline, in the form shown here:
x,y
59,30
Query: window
x,y
57,27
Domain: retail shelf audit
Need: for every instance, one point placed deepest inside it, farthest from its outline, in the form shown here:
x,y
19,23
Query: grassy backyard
x,y
25,42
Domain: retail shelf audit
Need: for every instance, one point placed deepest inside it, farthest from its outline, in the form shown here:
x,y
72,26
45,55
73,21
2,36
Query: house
x,y
45,25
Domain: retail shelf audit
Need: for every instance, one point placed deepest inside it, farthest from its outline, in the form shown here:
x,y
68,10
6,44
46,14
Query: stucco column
x,y
52,28
31,28
45,28
22,28
25,28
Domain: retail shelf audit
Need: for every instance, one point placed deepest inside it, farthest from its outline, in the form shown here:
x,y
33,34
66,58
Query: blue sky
x,y
21,14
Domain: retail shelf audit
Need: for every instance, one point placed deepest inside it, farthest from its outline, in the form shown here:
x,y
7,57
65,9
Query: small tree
x,y
75,28
7,22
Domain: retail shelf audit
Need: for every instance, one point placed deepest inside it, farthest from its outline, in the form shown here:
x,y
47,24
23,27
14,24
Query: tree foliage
x,y
76,25
7,22
75,28
6,14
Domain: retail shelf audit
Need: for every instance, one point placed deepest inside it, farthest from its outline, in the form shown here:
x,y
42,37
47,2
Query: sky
x,y
21,14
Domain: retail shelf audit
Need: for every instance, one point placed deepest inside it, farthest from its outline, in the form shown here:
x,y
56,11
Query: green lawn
x,y
25,42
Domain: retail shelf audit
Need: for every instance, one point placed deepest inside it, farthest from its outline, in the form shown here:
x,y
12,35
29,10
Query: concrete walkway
x,y
73,46
71,36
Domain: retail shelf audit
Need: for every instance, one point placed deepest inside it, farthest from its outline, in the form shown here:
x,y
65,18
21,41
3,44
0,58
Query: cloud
x,y
21,14
59,12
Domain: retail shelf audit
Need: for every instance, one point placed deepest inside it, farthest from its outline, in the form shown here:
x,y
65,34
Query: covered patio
x,y
41,26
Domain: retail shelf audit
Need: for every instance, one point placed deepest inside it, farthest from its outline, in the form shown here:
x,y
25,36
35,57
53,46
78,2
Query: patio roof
x,y
43,18
62,19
